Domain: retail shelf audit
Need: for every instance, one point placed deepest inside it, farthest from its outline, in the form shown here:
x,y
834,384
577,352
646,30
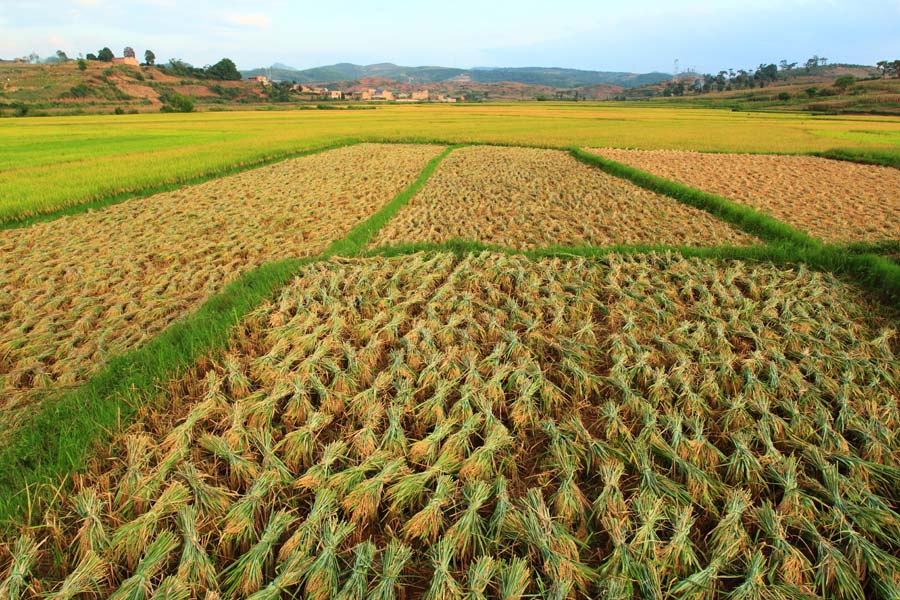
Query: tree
x,y
889,68
128,52
225,69
34,58
844,82
82,65
91,56
149,58
106,55
812,63
61,56
177,103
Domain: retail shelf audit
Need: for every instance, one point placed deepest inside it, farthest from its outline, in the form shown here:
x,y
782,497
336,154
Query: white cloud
x,y
258,20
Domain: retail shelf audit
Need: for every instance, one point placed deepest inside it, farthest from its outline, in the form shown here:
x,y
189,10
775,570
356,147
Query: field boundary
x,y
871,271
145,192
16,222
862,157
744,217
62,435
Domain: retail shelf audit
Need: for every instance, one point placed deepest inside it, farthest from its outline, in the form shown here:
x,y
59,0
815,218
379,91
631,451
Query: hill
x,y
540,76
104,87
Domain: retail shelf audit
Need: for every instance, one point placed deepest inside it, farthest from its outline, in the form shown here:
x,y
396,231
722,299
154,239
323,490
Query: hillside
x,y
104,87
815,91
539,76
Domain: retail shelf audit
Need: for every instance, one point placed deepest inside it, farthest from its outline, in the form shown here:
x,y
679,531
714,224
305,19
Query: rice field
x,y
529,198
54,162
837,201
488,426
79,290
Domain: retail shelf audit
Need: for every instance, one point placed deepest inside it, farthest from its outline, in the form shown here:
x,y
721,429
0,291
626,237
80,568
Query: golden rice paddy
x,y
492,427
527,198
81,289
836,201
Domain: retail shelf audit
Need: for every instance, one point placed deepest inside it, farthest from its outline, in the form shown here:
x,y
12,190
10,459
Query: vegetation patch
x,y
486,425
527,198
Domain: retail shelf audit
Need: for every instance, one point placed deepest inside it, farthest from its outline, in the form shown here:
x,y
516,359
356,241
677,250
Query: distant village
x,y
368,94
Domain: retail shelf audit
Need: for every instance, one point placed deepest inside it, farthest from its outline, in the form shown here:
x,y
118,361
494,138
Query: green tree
x,y
82,65
106,55
177,103
225,69
149,58
844,82
61,56
91,56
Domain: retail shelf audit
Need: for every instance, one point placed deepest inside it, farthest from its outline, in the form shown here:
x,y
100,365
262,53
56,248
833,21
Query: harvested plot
x,y
81,289
437,427
838,201
527,198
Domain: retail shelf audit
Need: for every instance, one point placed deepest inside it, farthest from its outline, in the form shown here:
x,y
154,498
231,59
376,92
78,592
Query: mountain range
x,y
552,77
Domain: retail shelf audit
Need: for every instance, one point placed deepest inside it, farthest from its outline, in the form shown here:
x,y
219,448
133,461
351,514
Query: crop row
x,y
490,426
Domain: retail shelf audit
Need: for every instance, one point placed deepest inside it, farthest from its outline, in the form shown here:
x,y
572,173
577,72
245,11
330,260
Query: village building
x,y
260,79
126,60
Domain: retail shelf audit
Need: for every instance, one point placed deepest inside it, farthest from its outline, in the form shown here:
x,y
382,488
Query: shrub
x,y
844,82
177,103
784,96
119,110
81,90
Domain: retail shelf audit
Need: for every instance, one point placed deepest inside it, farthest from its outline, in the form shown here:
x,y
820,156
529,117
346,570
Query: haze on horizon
x,y
641,36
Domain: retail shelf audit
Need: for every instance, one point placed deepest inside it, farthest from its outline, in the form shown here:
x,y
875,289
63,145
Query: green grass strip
x,y
740,215
874,273
883,158
354,243
98,203
62,436
882,247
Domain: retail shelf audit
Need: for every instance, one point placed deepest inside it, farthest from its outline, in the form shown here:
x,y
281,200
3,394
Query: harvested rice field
x,y
837,201
486,426
81,289
528,198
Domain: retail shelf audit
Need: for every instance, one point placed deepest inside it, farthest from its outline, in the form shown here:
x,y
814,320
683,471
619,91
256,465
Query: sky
x,y
605,35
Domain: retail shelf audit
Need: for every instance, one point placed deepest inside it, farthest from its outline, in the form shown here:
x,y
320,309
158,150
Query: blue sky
x,y
638,35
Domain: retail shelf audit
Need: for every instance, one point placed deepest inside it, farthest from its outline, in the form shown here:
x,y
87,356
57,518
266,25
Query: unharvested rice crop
x,y
527,198
835,200
490,427
78,290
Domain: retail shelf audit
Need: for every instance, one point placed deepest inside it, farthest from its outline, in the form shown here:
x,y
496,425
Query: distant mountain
x,y
552,77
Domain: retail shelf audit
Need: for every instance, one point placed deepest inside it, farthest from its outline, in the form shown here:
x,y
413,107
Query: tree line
x,y
763,75
224,70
